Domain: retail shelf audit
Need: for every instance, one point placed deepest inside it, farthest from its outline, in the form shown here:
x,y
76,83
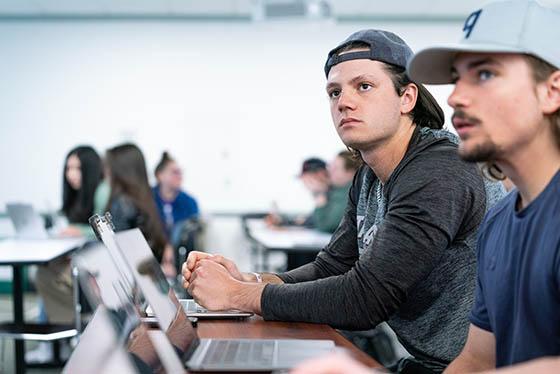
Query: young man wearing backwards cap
x,y
405,249
507,113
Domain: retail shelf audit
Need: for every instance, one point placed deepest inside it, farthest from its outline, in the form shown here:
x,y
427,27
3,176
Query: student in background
x,y
83,194
131,202
329,186
83,190
174,205
331,198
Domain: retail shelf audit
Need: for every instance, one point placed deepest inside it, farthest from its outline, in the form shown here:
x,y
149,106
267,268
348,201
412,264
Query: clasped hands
x,y
216,283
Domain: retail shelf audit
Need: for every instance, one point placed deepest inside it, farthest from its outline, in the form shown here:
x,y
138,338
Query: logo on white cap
x,y
470,22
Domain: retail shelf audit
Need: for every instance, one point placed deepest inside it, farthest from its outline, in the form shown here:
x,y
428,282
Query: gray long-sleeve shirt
x,y
404,253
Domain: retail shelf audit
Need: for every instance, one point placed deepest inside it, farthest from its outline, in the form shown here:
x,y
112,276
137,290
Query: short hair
x,y
426,112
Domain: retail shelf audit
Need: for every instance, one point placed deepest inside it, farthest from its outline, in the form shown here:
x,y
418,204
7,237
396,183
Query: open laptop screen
x,y
153,284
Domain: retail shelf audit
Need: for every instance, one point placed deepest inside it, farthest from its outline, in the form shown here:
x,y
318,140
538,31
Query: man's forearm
x,y
247,297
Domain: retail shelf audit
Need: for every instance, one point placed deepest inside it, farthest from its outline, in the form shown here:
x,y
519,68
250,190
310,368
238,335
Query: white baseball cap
x,y
517,26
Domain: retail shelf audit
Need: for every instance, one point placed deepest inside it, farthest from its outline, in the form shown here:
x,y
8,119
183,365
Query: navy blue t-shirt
x,y
518,291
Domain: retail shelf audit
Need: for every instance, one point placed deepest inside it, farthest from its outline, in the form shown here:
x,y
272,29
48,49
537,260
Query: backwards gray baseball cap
x,y
384,46
517,26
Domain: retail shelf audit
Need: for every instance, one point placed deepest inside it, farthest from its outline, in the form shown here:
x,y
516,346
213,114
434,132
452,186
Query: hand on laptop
x,y
211,285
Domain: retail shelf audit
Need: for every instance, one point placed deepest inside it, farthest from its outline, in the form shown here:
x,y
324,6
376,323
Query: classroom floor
x,y
7,345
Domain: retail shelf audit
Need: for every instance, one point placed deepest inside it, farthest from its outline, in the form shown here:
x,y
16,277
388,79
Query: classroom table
x,y
292,240
18,253
257,328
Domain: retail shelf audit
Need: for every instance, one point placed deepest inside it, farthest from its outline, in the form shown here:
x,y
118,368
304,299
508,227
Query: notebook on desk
x,y
210,354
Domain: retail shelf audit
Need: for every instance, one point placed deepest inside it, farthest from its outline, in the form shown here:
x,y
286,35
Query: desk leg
x,y
17,292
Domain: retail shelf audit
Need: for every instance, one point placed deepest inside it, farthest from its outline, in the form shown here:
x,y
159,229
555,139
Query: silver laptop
x,y
28,224
99,349
105,288
103,228
209,354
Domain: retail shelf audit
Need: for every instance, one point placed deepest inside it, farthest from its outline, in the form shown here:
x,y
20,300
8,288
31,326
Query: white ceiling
x,y
235,9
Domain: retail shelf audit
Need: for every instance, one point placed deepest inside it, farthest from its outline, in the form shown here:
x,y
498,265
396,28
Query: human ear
x,y
408,98
551,99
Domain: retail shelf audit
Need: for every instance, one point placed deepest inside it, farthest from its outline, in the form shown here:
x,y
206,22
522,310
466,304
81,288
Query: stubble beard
x,y
481,152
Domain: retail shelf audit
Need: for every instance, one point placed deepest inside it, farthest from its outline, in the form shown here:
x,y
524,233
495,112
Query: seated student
x,y
131,202
506,98
174,205
331,199
405,249
329,186
83,194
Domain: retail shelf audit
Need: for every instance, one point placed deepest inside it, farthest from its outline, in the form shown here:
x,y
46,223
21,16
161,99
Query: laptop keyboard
x,y
229,352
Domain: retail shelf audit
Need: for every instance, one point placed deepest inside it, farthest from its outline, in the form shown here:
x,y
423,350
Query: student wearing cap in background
x,y
329,186
405,249
507,113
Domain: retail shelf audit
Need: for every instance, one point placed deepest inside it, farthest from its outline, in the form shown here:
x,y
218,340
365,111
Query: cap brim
x,y
433,65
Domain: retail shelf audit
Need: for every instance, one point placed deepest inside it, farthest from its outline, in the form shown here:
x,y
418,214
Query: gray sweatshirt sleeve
x,y
340,254
429,202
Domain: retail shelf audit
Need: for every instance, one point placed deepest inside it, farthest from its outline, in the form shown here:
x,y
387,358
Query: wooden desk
x,y
256,327
19,253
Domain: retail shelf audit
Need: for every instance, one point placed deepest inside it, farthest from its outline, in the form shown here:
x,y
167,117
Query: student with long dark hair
x,y
83,194
131,202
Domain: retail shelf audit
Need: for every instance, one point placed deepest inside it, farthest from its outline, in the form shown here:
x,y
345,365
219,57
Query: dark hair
x,y
426,112
162,164
350,161
128,176
77,205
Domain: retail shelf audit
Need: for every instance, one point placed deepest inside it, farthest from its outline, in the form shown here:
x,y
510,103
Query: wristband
x,y
258,276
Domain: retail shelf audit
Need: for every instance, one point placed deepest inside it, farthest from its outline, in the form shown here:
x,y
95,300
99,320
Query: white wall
x,y
239,105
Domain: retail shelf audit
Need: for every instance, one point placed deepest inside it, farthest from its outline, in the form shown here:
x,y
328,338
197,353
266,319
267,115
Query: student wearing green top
x,y
329,186
331,196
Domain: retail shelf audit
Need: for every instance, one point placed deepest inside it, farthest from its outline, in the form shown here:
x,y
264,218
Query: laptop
x,y
220,355
99,347
103,228
105,289
28,224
